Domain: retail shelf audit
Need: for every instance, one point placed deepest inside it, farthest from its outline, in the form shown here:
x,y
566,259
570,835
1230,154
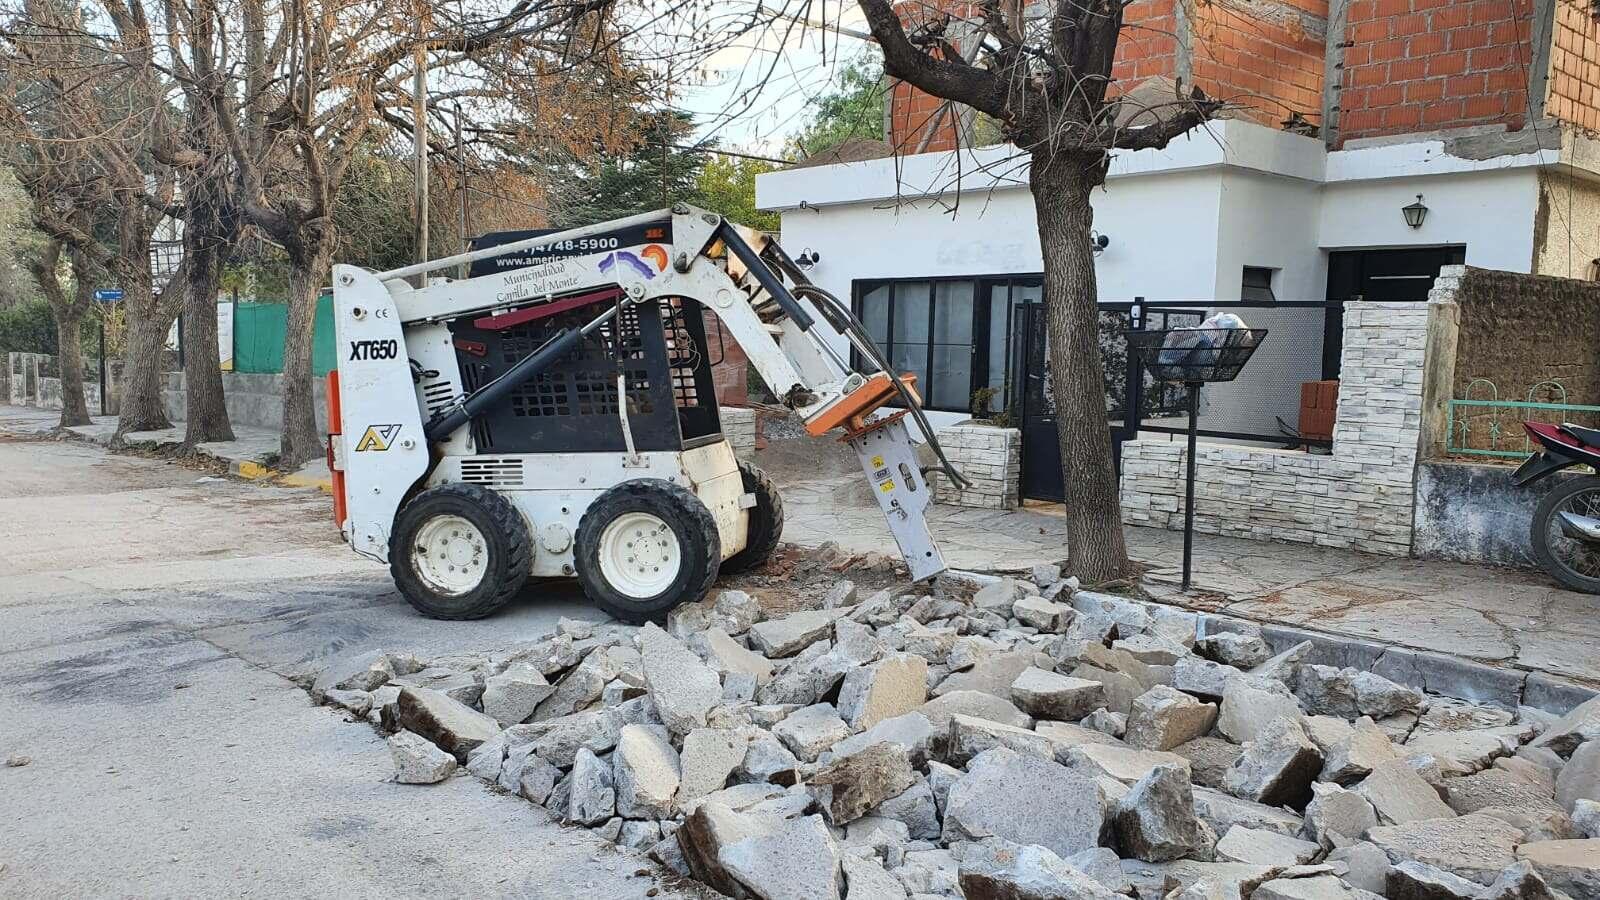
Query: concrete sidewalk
x,y
250,455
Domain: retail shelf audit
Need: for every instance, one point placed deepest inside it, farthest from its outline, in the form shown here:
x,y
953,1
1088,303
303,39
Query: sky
x,y
753,94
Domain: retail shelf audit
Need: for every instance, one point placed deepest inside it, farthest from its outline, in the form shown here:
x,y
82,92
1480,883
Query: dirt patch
x,y
794,578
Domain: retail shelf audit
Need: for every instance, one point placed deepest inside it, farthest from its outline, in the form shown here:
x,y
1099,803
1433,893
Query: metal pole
x,y
419,127
1188,490
461,159
103,363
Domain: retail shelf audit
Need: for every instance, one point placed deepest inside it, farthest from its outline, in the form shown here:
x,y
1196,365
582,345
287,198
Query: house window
x,y
1258,285
955,334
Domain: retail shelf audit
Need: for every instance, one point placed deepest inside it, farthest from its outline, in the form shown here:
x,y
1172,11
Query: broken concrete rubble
x,y
1163,717
418,761
1156,820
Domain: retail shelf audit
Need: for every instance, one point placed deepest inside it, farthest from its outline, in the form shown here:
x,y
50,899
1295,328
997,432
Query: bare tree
x,y
68,307
1044,72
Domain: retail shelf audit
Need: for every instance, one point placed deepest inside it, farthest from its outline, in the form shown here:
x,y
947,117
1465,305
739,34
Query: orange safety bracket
x,y
851,412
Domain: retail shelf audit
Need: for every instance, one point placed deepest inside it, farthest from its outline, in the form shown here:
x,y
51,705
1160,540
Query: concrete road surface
x,y
148,628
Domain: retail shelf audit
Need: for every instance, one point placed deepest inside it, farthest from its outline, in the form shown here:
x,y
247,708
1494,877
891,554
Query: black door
x,y
1382,276
1041,448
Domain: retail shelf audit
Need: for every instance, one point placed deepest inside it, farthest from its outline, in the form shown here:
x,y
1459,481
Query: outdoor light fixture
x,y
1415,213
807,258
1098,242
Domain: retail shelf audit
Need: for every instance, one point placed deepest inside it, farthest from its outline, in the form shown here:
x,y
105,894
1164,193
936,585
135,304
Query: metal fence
x,y
1482,424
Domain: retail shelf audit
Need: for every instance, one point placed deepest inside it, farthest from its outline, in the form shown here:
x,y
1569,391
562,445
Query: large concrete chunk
x,y
1572,729
454,727
1162,718
969,737
1496,788
796,860
976,704
1025,800
1156,821
1125,764
1209,759
890,687
991,675
1463,752
1250,845
683,688
1572,867
916,808
1277,768
1400,795
1352,756
1202,677
360,672
728,656
418,761
1001,870
513,695
1250,702
591,796
810,731
789,635
768,760
1337,817
1045,615
582,686
912,731
868,880
1417,881
1317,887
1244,650
1223,811
646,773
1047,695
848,787
710,756
1475,847
1348,693
1580,777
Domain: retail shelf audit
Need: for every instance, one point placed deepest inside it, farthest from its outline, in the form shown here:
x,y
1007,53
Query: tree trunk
x,y
206,413
142,373
301,441
69,332
1061,183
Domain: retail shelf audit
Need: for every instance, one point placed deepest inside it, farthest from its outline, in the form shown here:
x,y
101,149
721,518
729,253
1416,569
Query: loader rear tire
x,y
459,551
766,521
645,546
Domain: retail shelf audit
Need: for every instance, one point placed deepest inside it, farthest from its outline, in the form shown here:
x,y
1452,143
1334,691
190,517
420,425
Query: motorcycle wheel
x,y
1574,563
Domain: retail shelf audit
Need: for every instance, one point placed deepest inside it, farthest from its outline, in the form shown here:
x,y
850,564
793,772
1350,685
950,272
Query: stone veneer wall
x,y
1360,497
990,457
739,427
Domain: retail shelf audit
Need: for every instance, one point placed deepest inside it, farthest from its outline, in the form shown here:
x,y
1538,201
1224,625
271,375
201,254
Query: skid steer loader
x,y
557,419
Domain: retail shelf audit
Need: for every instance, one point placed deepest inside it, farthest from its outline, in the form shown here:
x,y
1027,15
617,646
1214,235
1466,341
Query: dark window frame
x,y
982,315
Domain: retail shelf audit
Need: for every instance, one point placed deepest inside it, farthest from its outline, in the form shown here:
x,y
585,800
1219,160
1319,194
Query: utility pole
x,y
419,127
461,158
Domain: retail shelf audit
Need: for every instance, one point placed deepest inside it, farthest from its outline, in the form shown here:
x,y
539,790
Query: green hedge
x,y
28,328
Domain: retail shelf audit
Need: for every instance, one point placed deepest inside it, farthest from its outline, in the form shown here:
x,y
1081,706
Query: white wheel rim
x,y
450,555
640,555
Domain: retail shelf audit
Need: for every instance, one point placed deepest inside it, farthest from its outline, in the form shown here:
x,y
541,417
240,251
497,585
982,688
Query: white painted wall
x,y
1492,212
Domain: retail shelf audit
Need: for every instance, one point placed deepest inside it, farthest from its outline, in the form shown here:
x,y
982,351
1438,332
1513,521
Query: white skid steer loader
x,y
559,419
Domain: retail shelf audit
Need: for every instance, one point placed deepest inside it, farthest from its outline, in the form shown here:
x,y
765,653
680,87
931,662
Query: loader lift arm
x,y
689,253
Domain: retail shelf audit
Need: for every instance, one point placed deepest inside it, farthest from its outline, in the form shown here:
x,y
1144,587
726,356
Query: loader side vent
x,y
496,472
436,395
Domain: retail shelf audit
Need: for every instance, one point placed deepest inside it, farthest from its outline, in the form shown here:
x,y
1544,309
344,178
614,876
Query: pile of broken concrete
x,y
1002,738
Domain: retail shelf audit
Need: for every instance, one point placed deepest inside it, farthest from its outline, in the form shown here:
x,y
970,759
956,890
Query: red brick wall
x,y
1423,65
1574,85
1268,67
732,375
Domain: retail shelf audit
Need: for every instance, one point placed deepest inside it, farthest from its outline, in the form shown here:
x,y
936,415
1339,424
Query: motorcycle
x,y
1566,525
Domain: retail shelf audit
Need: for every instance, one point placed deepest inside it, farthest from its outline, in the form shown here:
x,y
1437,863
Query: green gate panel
x,y
323,359
258,334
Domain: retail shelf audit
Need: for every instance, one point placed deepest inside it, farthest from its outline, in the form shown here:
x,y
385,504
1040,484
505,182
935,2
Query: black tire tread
x,y
1539,531
505,520
605,508
766,521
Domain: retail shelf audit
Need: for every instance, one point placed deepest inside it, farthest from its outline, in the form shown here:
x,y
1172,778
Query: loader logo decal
x,y
377,437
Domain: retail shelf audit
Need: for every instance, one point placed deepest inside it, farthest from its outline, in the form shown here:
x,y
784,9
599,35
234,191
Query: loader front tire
x,y
459,551
766,521
645,546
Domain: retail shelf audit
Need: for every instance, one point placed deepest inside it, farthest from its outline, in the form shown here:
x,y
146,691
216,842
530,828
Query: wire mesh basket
x,y
1195,354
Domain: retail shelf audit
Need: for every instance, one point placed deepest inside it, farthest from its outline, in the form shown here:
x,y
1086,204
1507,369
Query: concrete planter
x,y
990,457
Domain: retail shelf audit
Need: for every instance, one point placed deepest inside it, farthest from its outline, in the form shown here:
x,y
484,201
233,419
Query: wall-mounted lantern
x,y
807,258
1415,213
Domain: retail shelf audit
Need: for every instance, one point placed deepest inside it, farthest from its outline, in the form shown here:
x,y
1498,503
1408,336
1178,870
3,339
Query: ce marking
x,y
382,313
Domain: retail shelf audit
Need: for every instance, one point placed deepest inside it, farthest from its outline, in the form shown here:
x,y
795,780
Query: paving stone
x,y
976,704
992,675
777,638
1027,800
1164,717
729,657
1475,847
1047,695
916,808
1580,777
1124,764
893,686
809,731
1223,811
1277,767
1250,703
591,796
1156,820
968,737
1045,615
1209,759
1570,866
646,773
848,787
1338,817
1001,870
452,726
1238,649
797,860
1400,795
867,880
418,761
682,687
513,695
1250,845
